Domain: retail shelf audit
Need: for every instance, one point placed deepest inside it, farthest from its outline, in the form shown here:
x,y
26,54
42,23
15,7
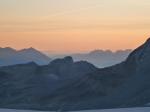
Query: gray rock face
x,y
25,85
124,85
136,91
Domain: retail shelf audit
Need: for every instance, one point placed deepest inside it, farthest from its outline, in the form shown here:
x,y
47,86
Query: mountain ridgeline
x,y
67,85
99,58
9,56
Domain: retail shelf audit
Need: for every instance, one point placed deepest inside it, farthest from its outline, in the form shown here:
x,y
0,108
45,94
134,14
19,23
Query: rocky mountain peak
x,y
67,60
148,40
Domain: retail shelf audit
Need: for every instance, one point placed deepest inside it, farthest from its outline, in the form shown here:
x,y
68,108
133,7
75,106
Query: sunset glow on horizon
x,y
74,25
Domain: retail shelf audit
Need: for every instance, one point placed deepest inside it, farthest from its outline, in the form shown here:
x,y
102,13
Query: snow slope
x,y
142,109
13,110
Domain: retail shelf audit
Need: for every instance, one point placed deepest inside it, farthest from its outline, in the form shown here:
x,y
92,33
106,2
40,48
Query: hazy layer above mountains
x,y
100,58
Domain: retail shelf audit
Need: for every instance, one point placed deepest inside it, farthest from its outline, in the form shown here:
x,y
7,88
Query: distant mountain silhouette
x,y
100,58
9,56
67,85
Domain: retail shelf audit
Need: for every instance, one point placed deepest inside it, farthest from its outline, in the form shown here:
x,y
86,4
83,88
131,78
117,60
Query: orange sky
x,y
74,25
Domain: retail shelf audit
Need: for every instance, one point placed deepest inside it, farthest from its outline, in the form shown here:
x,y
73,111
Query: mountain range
x,y
124,85
24,85
100,58
67,85
10,56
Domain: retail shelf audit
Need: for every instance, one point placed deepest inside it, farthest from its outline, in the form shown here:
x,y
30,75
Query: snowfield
x,y
142,109
14,110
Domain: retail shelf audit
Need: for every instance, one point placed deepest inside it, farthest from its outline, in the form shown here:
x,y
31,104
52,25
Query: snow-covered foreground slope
x,y
13,110
144,109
